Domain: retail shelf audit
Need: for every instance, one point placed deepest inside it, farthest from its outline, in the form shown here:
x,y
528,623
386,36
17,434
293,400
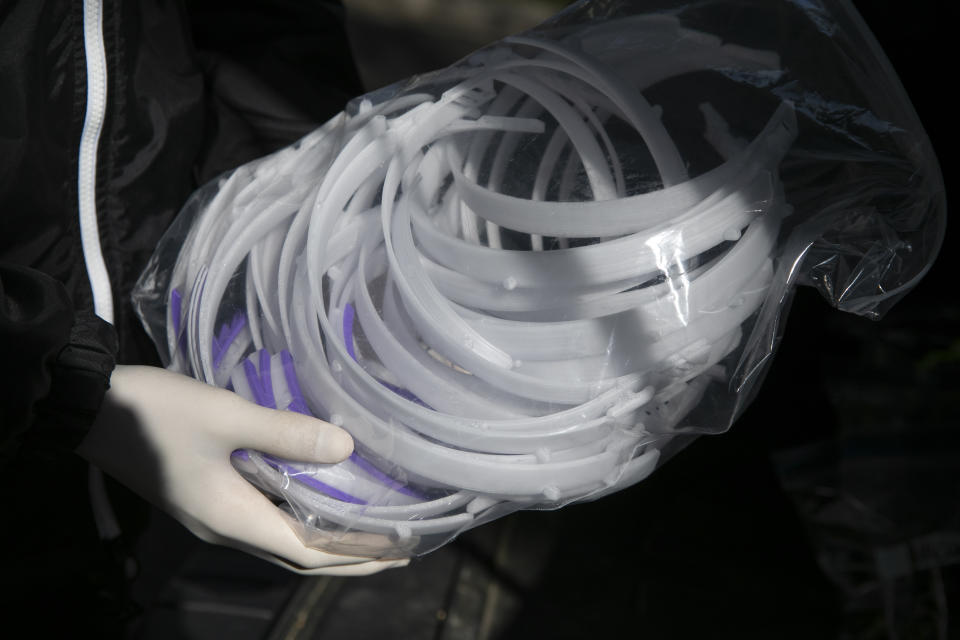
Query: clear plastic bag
x,y
528,278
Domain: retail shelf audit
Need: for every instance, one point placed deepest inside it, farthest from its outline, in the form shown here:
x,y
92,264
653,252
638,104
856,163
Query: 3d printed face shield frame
x,y
379,293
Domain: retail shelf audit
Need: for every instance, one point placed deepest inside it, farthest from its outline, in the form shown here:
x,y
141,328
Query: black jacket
x,y
188,92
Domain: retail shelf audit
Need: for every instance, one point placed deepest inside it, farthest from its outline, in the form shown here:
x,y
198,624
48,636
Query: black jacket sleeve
x,y
194,89
57,362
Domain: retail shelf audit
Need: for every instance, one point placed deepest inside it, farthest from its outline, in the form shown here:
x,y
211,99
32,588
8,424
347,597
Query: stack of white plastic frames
x,y
510,281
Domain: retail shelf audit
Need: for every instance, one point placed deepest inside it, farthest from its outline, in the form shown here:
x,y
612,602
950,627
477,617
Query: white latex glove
x,y
169,438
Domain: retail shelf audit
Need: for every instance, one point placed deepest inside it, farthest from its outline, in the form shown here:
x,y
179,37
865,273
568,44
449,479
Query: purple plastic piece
x,y
260,384
240,454
176,304
348,315
391,483
228,333
308,480
266,375
298,403
405,394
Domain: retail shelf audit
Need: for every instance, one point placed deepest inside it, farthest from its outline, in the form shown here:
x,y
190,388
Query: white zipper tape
x,y
96,106
96,59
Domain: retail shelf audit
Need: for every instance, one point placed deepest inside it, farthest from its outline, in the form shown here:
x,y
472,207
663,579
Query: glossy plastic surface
x,y
516,280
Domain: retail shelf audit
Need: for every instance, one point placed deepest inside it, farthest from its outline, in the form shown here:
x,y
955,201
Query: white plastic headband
x,y
380,290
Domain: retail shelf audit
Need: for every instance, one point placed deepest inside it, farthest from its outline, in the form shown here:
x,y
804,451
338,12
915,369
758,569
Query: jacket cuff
x,y
80,377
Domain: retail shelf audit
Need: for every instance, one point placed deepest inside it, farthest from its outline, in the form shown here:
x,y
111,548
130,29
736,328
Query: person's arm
x,y
56,364
167,437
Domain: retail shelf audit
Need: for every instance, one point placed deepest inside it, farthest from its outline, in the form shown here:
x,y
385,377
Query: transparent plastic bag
x,y
528,278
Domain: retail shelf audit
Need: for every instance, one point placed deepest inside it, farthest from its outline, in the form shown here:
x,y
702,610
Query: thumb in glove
x,y
169,438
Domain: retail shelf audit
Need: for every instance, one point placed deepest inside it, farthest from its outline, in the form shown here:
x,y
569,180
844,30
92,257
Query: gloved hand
x,y
169,438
